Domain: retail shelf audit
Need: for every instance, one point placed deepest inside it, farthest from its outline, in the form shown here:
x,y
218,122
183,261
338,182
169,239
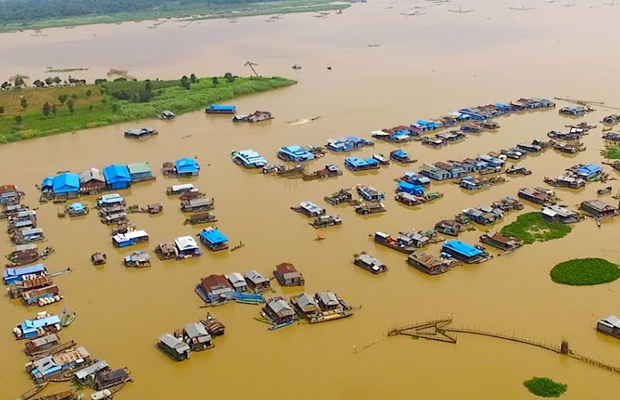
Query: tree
x,y
185,82
193,78
229,77
49,80
54,110
90,108
88,93
215,81
23,102
71,105
148,86
1,110
47,109
19,81
18,119
56,80
38,83
62,98
115,108
74,96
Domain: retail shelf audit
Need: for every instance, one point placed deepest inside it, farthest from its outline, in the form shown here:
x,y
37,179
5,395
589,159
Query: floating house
x,y
370,264
566,181
259,116
464,252
9,195
66,184
139,172
360,164
249,159
117,176
186,247
557,213
405,187
138,259
393,135
279,311
484,215
325,221
428,263
33,282
434,172
287,275
111,200
140,133
347,143
309,209
41,344
415,179
295,154
92,181
186,167
197,204
215,288
256,281
305,305
401,156
107,378
501,242
86,375
588,172
180,189
33,296
574,111
49,367
13,275
77,209
213,239
369,193
598,209
30,329
130,238
401,243
27,235
538,195
197,337
177,349
237,281
609,325
216,109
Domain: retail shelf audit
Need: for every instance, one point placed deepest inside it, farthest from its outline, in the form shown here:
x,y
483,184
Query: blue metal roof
x,y
213,236
590,169
186,165
77,207
400,153
222,108
356,161
32,269
116,173
66,183
48,182
462,248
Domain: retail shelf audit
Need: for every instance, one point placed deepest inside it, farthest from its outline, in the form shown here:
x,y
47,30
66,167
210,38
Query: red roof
x,y
286,268
215,281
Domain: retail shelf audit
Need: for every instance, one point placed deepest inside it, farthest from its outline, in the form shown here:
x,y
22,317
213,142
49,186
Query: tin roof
x,y
66,183
462,248
139,168
255,277
196,330
213,236
185,243
90,175
116,173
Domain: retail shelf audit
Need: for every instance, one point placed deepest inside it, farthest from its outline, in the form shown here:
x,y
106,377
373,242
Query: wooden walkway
x,y
441,331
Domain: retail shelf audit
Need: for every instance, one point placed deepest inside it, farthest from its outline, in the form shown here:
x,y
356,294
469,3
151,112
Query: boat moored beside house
x,y
370,263
464,252
428,263
185,247
213,239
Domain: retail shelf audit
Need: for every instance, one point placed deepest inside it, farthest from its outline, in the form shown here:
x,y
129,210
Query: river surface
x,y
425,66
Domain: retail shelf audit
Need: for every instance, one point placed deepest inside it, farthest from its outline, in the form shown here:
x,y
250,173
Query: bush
x,y
531,227
585,271
545,387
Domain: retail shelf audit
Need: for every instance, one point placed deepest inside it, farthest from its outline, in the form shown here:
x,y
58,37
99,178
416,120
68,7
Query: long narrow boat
x,y
281,325
66,395
33,392
53,350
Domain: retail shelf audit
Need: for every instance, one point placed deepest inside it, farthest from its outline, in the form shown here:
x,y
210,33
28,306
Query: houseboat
x,y
42,325
330,171
518,170
53,366
13,275
589,172
415,179
25,236
77,210
249,159
465,253
341,196
256,116
566,181
138,259
435,173
420,238
569,148
574,111
513,154
257,282
107,378
192,195
287,275
41,344
529,148
201,218
369,193
42,296
130,238
401,243
184,247
325,221
435,142
215,289
484,215
140,133
295,153
16,289
359,164
381,159
476,183
428,263
499,241
508,204
213,239
347,143
196,205
92,181
186,167
610,325
179,189
561,214
279,312
217,109
613,137
309,209
412,200
24,254
197,337
401,156
611,119
9,195
370,208
538,196
174,347
568,136
449,227
405,187
166,251
213,326
322,307
598,209
370,263
271,168
108,201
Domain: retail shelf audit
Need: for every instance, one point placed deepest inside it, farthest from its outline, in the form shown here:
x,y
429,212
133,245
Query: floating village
x,y
50,355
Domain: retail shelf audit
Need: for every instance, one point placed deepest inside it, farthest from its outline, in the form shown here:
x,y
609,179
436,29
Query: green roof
x,y
139,168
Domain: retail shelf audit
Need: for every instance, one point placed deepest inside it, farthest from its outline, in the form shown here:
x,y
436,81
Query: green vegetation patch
x,y
545,387
585,271
611,152
531,227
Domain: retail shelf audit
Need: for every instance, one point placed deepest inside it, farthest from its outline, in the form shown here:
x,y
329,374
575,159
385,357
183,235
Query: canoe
x,y
66,395
281,325
33,392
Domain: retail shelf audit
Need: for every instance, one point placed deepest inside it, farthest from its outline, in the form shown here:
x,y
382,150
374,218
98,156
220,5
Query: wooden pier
x,y
441,331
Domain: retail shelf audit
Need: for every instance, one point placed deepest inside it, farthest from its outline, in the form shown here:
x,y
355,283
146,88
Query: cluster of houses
x,y
314,308
577,176
197,336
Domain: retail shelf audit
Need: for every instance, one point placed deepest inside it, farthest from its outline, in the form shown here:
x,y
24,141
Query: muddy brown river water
x,y
425,66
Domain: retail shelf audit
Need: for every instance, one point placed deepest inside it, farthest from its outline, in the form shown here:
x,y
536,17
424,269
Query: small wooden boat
x,y
66,395
280,325
33,392
606,190
67,318
237,247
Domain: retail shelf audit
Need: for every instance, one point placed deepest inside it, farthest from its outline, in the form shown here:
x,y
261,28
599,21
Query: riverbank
x,y
53,110
185,13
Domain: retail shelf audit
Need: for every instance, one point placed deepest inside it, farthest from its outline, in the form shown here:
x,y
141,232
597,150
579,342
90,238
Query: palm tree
x,y
251,65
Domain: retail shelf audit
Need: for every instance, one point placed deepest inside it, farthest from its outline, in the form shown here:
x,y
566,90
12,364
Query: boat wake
x,y
299,121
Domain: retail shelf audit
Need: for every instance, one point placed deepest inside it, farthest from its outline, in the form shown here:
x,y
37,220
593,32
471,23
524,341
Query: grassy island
x,y
545,387
42,111
585,271
611,152
531,227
